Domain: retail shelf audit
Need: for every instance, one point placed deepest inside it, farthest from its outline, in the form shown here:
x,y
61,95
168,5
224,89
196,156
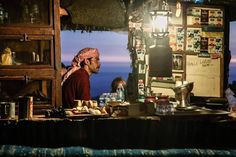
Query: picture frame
x,y
177,76
177,62
177,37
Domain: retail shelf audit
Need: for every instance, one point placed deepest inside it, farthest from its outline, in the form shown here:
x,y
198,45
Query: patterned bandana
x,y
80,57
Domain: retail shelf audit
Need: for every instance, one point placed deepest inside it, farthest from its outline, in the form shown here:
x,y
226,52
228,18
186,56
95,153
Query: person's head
x,y
88,58
117,83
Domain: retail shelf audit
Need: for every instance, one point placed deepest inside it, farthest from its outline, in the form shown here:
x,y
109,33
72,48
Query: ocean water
x,y
101,82
232,72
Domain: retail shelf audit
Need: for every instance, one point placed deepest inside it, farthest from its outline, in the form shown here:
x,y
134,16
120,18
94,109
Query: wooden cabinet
x,y
30,51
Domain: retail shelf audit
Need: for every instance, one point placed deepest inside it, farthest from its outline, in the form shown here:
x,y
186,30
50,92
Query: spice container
x,y
25,105
4,110
7,110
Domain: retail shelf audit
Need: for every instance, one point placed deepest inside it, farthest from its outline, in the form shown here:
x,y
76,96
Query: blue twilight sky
x,y
232,42
112,45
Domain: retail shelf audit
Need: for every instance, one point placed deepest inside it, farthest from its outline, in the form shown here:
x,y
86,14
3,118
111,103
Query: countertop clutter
x,y
125,109
161,107
123,126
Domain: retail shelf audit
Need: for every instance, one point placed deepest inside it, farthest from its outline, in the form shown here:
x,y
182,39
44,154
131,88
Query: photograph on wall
x,y
204,44
192,20
193,16
140,54
193,39
177,63
215,17
219,45
204,16
176,35
177,76
180,38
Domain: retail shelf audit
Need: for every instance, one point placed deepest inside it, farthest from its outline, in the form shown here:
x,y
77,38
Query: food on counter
x,y
95,111
55,113
89,107
119,113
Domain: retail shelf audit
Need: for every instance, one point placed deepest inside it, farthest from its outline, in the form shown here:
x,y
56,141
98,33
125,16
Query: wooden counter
x,y
146,132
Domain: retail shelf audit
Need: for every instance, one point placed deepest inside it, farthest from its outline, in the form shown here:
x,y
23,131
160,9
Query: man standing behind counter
x,y
75,83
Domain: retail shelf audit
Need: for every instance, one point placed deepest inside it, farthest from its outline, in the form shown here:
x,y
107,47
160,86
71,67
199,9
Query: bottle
x,y
102,100
13,55
1,14
34,15
163,7
167,6
25,14
120,93
6,17
107,98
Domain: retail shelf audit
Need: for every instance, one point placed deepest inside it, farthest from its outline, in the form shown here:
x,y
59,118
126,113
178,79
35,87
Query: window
x,y
114,55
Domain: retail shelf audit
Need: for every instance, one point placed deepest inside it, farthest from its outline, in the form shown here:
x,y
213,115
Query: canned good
x,y
12,111
7,110
4,110
25,105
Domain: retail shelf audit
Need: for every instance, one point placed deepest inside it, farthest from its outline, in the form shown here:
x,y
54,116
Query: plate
x,y
87,115
214,104
188,108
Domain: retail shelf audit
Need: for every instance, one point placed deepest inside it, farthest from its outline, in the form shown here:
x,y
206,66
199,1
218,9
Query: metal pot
x,y
182,94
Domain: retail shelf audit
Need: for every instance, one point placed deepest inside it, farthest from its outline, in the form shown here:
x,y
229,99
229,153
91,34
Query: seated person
x,y
119,84
116,83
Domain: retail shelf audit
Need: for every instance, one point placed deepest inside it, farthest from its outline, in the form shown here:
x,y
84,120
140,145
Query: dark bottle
x,y
34,15
1,14
25,14
6,17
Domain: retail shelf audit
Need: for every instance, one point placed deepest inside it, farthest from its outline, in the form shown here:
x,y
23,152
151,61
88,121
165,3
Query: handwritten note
x,y
206,75
198,65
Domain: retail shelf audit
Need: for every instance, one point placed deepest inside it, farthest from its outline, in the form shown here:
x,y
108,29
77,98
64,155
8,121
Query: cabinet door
x,y
26,51
41,90
30,51
25,13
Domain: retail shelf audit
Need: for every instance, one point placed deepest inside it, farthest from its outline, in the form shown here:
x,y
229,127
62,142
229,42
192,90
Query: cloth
x,y
79,57
230,97
77,86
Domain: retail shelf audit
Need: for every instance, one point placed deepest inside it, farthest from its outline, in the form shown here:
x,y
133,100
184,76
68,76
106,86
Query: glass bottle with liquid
x,y
34,15
1,14
120,93
25,14
6,17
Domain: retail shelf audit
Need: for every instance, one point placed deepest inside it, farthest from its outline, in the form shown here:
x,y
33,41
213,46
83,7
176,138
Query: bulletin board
x,y
206,73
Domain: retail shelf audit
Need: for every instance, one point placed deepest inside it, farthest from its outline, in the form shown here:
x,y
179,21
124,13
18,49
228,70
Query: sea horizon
x,y
232,72
101,82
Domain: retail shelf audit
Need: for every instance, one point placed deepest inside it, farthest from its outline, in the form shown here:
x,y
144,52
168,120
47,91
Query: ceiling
x,y
105,15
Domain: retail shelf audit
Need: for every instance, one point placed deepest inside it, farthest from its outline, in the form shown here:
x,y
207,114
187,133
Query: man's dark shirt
x,y
76,87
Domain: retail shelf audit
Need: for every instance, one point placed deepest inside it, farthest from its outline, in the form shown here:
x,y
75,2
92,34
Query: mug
x,y
77,103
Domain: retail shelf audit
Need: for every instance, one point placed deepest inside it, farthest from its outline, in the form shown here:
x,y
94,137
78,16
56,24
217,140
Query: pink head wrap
x,y
80,57
84,54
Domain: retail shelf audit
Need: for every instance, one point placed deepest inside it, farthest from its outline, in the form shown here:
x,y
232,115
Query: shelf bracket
x,y
25,38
